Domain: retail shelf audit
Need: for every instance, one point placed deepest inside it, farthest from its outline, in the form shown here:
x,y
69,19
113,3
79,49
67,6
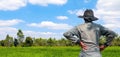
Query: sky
x,y
51,18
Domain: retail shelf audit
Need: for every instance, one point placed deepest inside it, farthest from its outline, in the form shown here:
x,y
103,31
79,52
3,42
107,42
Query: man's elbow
x,y
113,35
66,34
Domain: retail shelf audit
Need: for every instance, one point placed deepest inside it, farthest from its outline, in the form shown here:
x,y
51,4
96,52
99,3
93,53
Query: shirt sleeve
x,y
73,35
110,35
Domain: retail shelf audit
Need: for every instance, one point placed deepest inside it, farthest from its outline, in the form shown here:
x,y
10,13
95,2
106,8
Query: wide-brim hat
x,y
89,14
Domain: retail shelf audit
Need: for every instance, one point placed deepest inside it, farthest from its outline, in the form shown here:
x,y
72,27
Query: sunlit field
x,y
52,52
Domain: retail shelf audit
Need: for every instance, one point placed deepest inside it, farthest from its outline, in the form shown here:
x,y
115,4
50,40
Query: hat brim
x,y
94,18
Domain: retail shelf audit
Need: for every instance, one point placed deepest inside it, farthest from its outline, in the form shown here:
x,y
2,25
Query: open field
x,y
52,52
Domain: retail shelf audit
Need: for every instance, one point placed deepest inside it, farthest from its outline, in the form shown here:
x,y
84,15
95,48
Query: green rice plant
x,y
52,52
111,52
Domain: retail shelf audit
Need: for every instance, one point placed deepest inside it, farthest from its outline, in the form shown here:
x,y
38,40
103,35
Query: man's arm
x,y
73,35
110,35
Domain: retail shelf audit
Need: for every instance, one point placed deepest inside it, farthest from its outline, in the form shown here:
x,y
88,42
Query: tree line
x,y
22,41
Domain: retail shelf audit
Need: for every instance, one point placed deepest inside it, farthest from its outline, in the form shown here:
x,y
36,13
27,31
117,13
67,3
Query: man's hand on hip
x,y
83,46
102,47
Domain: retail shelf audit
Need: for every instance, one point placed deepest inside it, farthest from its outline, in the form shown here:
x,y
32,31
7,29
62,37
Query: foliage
x,y
50,42
40,42
8,42
116,41
2,43
16,42
20,36
28,41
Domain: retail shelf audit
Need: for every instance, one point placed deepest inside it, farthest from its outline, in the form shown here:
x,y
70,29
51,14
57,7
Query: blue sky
x,y
51,18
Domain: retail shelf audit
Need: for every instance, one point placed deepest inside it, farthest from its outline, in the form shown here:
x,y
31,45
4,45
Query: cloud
x,y
10,22
62,17
5,27
76,11
13,32
46,2
108,11
42,34
86,1
7,30
108,4
51,25
12,4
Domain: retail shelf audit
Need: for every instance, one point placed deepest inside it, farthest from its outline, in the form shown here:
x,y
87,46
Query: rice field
x,y
52,52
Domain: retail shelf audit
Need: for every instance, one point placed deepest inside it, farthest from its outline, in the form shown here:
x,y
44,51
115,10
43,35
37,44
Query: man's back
x,y
90,34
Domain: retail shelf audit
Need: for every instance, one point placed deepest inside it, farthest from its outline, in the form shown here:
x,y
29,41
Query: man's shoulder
x,y
80,25
87,24
97,24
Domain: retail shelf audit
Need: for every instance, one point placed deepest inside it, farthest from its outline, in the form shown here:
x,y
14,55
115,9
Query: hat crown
x,y
88,13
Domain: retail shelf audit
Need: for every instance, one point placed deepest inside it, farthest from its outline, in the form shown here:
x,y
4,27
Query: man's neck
x,y
88,22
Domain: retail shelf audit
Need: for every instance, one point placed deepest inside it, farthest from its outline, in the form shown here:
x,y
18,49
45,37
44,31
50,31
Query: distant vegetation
x,y
23,41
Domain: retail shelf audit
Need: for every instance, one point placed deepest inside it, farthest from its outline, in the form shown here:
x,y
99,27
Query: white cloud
x,y
12,4
51,25
9,22
13,31
42,34
5,27
17,4
108,11
77,11
7,30
108,4
62,17
86,1
46,2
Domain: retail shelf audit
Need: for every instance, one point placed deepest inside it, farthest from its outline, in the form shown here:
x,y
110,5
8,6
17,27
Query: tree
x,y
2,43
63,42
102,40
40,42
8,41
15,42
116,41
50,42
28,41
20,36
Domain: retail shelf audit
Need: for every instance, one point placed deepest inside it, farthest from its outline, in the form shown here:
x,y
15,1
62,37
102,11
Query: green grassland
x,y
52,52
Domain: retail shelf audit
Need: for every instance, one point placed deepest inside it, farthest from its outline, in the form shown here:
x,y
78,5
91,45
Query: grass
x,y
52,52
111,52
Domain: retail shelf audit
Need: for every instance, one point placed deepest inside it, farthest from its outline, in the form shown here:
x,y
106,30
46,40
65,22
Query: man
x,y
88,35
